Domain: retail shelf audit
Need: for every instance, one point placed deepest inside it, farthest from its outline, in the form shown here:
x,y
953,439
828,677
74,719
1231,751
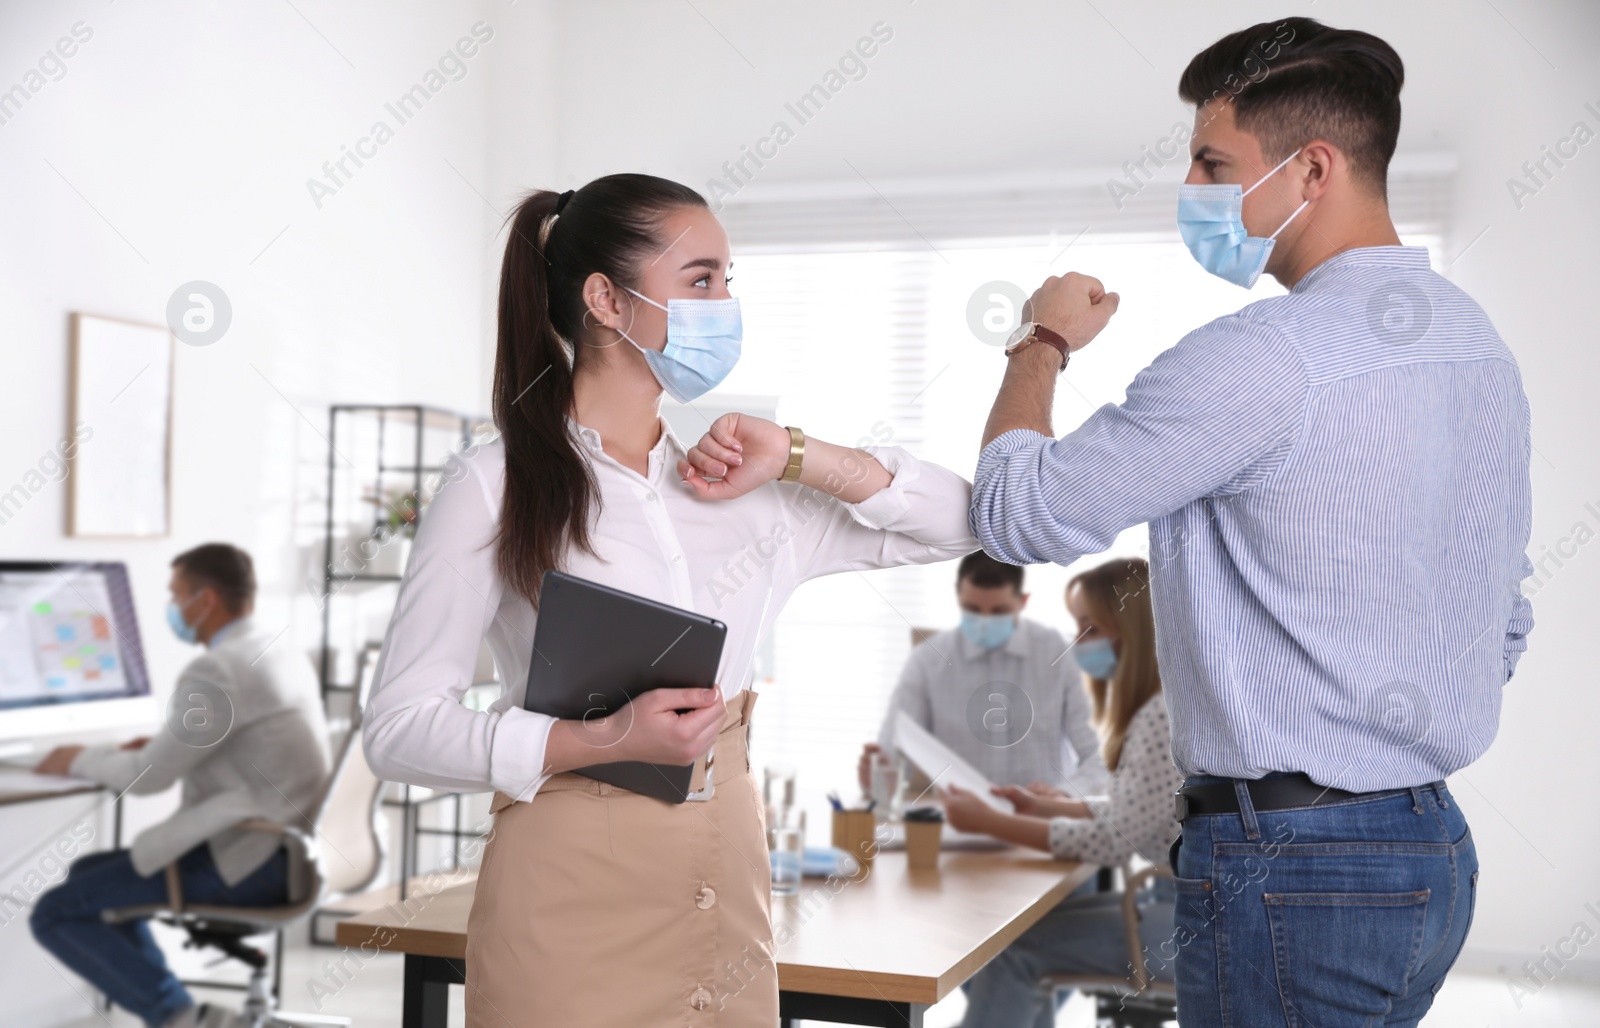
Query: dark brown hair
x,y
985,572
227,569
608,227
1296,80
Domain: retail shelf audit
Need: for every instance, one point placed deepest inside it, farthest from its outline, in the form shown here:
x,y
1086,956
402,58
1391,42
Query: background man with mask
x,y
246,738
1336,483
1002,691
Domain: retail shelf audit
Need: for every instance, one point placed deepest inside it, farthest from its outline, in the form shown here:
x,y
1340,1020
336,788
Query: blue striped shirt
x,y
1336,484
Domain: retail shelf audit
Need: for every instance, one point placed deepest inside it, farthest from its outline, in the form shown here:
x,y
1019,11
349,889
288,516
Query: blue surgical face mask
x,y
180,628
703,338
987,631
1210,219
1097,658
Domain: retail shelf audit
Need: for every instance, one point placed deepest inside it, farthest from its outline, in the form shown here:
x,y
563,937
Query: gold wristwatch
x,y
797,454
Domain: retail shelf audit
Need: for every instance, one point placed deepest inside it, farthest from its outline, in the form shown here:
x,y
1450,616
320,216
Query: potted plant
x,y
390,543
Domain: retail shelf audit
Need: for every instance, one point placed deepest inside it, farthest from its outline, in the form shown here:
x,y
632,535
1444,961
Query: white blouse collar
x,y
590,437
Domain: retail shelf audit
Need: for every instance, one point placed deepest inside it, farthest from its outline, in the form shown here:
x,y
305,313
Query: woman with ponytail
x,y
596,905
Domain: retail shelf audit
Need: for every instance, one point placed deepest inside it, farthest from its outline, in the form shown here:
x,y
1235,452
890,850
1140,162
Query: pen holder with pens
x,y
924,828
854,832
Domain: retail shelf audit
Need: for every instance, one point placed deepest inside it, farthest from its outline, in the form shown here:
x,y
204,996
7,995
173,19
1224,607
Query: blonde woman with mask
x,y
596,906
1115,648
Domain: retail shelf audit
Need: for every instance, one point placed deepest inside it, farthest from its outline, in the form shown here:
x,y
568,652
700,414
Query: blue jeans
x,y
1084,934
123,960
1343,914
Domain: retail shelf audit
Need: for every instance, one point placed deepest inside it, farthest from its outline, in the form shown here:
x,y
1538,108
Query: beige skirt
x,y
599,906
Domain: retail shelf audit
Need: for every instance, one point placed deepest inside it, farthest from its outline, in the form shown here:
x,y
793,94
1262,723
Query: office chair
x,y
226,928
344,816
353,848
1135,1001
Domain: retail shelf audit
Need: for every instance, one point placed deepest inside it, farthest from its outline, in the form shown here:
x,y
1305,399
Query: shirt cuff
x,y
1009,442
516,758
982,519
888,505
90,763
1061,838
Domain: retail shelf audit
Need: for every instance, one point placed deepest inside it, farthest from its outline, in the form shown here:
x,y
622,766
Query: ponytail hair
x,y
556,242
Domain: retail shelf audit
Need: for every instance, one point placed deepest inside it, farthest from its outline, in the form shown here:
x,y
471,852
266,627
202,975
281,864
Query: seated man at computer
x,y
246,737
1000,690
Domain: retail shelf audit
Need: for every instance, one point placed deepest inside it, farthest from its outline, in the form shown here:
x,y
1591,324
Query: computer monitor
x,y
70,654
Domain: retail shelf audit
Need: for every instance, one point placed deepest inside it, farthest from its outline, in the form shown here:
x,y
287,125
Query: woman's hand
x,y
964,811
967,812
739,453
1027,801
649,728
1040,800
742,452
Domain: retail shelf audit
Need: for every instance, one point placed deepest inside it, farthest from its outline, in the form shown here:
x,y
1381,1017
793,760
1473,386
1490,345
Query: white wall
x,y
1533,270
961,88
177,146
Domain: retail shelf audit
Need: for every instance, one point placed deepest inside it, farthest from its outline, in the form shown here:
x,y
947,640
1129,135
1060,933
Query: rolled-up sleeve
x,y
1218,410
417,730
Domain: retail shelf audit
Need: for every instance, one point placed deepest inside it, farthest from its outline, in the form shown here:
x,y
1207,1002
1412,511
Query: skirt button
x,y
705,897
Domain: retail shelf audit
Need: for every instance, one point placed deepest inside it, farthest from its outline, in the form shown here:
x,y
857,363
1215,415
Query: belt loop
x,y
1416,799
1439,793
1247,810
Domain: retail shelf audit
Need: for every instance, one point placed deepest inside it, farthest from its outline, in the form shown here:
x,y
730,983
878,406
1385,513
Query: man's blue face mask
x,y
181,628
1210,219
987,631
703,345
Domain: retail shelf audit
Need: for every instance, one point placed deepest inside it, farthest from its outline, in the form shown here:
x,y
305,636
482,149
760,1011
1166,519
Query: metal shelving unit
x,y
409,446
383,422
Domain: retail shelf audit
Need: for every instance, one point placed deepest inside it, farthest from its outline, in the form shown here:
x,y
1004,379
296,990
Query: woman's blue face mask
x,y
1097,657
703,344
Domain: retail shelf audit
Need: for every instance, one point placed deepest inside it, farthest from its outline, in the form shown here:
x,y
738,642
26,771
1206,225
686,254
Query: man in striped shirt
x,y
1336,485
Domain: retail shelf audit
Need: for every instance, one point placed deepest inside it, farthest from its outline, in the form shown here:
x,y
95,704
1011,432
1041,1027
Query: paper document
x,y
24,781
940,763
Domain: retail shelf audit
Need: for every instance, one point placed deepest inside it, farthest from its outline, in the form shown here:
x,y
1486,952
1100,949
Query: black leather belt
x,y
1277,793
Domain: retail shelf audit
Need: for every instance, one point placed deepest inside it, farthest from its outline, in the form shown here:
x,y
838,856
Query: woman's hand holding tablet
x,y
661,726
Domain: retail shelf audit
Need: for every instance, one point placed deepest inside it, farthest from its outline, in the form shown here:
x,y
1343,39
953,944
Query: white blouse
x,y
1136,815
735,560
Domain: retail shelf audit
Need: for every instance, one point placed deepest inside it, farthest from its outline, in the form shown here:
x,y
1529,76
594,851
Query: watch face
x,y
1022,332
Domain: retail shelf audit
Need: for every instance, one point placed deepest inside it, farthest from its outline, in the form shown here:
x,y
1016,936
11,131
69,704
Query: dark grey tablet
x,y
595,648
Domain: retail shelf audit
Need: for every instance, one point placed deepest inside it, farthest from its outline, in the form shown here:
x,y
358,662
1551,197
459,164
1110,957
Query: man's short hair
x,y
985,572
227,569
1296,80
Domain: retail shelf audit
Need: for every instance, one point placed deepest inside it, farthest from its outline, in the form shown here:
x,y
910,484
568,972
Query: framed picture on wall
x,y
120,410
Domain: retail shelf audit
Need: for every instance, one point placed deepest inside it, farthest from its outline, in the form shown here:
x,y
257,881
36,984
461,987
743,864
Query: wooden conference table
x,y
877,952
